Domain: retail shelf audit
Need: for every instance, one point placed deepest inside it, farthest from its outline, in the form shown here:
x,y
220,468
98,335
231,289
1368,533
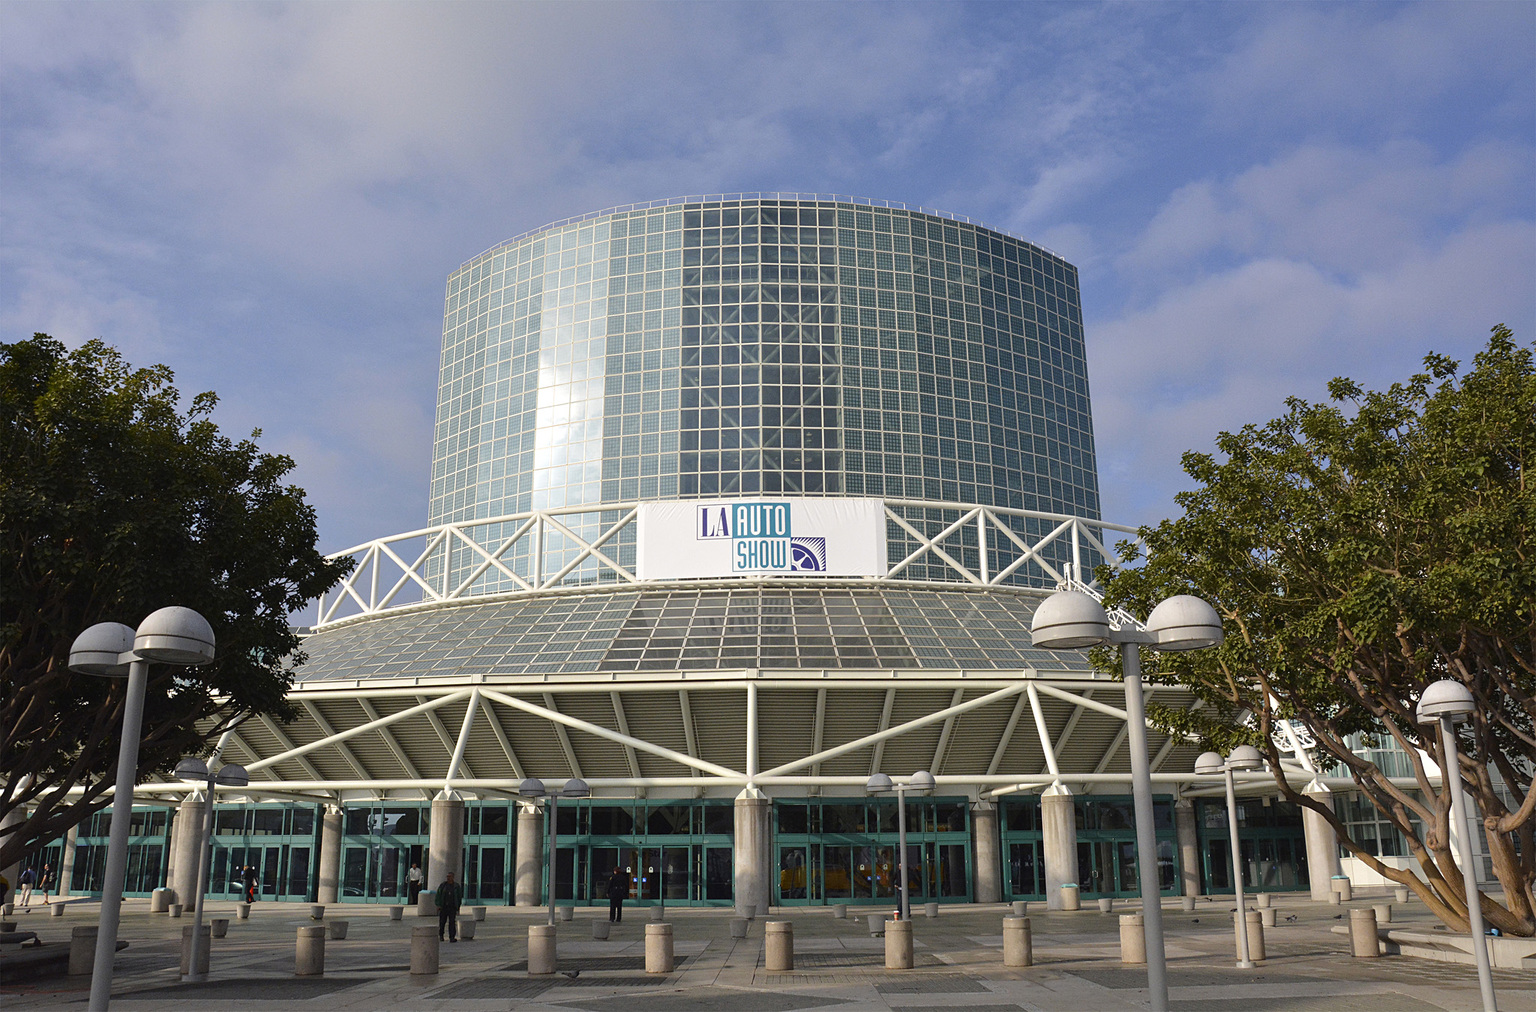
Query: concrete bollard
x,y
658,948
160,900
10,908
930,910
7,926
739,927
1106,904
467,928
840,911
243,911
397,913
424,949
186,950
876,925
426,904
309,952
1267,917
317,911
779,942
1018,945
1071,896
749,911
338,929
1364,943
898,945
566,914
1187,904
1133,939
1020,908
541,950
220,926
1255,935
478,913
1400,894
658,914
600,930
82,949
1341,885
55,910
1263,901
1383,913
1333,899
174,909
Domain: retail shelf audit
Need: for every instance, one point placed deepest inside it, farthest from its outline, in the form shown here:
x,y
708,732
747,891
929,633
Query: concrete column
x,y
1058,821
1322,844
328,890
526,876
67,861
987,844
445,840
1189,846
186,836
751,851
14,817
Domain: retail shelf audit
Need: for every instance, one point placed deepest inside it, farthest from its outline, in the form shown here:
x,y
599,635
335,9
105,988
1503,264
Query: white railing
x,y
585,546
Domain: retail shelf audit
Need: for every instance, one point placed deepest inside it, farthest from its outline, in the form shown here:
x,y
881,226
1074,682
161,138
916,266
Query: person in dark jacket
x,y
618,891
449,896
250,883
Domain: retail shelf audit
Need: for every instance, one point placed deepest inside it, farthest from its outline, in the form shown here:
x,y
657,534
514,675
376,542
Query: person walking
x,y
413,882
24,886
45,882
449,896
618,891
250,883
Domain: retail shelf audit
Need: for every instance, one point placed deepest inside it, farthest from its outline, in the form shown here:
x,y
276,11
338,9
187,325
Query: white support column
x,y
527,876
328,888
1058,821
185,841
14,817
987,844
752,850
67,861
457,761
752,767
1189,846
1322,844
445,841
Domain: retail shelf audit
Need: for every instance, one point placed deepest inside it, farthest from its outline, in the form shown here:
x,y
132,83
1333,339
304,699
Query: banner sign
x,y
760,537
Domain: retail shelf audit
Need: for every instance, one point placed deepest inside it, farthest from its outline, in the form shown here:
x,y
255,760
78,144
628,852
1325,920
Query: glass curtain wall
x,y
280,842
675,851
378,846
1274,846
1023,851
846,851
149,849
1106,846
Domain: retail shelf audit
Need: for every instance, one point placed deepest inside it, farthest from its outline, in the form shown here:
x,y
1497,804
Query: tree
x,y
114,504
1357,552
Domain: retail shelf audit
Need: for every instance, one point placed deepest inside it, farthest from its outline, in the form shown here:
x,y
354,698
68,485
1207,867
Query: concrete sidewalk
x,y
838,965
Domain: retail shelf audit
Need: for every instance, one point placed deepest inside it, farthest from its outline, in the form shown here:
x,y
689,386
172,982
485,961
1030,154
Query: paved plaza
x,y
838,965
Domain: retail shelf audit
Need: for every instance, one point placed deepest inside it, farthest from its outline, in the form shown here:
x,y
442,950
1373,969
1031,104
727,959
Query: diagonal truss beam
x,y
287,743
562,721
690,740
1040,729
381,724
885,724
330,732
457,763
1066,732
911,725
623,724
1048,689
565,739
500,732
1006,738
949,726
449,745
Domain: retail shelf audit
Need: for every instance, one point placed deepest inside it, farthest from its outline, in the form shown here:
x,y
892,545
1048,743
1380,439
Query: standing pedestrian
x,y
413,881
449,896
24,885
618,891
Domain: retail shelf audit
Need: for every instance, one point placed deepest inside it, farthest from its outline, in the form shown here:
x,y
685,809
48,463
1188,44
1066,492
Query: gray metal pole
x,y
117,845
1245,963
1146,833
1452,775
901,841
550,811
203,861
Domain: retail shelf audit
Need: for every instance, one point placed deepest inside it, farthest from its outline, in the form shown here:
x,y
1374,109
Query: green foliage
x,y
113,503
1357,552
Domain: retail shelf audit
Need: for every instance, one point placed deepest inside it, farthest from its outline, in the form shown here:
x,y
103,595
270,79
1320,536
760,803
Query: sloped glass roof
x,y
671,629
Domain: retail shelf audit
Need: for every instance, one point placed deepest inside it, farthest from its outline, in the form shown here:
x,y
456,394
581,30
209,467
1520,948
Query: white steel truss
x,y
470,559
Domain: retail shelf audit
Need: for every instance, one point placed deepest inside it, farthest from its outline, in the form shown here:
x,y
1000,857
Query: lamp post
x,y
194,770
920,782
534,788
1447,703
109,649
1072,620
1244,757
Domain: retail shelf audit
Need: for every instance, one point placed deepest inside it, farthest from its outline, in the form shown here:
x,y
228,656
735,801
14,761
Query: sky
x,y
269,197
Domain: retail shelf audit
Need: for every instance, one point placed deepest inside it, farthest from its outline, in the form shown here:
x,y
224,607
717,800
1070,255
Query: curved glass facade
x,y
720,347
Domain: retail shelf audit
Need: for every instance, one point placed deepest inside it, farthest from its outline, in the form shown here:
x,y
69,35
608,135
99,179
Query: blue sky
x,y
269,197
